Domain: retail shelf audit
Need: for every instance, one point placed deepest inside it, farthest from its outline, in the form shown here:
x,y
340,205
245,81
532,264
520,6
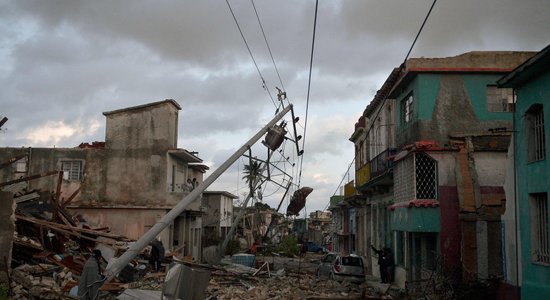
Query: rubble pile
x,y
303,286
50,248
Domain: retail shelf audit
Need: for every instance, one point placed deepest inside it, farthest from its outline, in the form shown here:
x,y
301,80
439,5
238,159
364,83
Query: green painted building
x,y
531,83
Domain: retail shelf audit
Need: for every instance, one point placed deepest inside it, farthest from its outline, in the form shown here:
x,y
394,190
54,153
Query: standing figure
x,y
390,265
382,263
189,185
157,254
90,278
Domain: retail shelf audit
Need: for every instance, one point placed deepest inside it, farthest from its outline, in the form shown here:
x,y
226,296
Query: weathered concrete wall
x,y
138,140
130,222
512,236
454,108
491,168
151,126
7,228
473,60
213,213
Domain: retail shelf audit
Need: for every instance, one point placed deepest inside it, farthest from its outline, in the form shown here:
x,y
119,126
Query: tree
x,y
253,173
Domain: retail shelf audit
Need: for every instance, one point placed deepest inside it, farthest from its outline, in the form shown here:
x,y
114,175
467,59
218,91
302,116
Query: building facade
x,y
126,183
438,198
529,249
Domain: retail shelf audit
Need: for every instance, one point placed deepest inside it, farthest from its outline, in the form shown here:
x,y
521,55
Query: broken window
x,y
407,109
500,99
72,170
534,125
426,176
540,245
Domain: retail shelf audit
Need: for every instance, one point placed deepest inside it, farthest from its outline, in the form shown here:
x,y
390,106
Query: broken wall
x,y
7,228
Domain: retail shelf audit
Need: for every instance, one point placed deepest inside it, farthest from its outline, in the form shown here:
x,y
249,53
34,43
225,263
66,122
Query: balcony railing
x,y
362,175
380,164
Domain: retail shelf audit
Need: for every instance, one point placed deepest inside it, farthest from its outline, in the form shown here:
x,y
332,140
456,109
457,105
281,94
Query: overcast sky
x,y
63,63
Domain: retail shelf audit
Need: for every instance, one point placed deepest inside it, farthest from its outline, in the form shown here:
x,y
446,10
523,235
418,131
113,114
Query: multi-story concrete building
x,y
219,214
526,226
127,183
437,199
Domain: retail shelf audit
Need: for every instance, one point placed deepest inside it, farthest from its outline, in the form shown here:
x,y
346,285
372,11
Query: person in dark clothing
x,y
382,263
157,254
390,265
91,278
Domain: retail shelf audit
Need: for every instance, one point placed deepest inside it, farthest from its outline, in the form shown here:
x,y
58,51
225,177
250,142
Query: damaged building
x,y
126,183
431,153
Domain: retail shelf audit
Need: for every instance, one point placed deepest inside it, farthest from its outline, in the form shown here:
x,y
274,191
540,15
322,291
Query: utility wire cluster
x,y
281,97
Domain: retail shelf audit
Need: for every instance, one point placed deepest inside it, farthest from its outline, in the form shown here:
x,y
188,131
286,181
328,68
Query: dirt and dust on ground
x,y
275,277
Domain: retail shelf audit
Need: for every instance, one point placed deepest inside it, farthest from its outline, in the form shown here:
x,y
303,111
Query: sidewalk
x,y
383,288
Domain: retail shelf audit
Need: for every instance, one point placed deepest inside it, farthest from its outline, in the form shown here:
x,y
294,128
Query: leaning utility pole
x,y
142,242
239,217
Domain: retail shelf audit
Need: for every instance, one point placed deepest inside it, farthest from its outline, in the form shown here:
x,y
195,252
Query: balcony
x,y
362,175
381,163
379,177
349,190
335,201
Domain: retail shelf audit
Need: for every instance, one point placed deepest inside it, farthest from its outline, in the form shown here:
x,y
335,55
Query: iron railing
x,y
380,164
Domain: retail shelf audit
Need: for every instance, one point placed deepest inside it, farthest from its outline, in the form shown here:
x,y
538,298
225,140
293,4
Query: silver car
x,y
342,268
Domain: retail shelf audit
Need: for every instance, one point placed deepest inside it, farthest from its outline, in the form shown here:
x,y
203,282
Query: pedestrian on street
x,y
382,263
390,265
157,254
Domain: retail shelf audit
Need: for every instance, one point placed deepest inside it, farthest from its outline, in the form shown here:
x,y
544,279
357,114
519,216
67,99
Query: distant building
x,y
219,215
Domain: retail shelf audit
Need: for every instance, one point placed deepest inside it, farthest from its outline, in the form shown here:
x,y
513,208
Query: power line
x,y
419,31
267,44
385,97
308,90
264,85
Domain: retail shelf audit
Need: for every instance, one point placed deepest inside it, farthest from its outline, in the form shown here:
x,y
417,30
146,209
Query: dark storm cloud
x,y
62,63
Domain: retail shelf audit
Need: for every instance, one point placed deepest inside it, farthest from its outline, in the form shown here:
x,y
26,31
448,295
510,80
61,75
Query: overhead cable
x,y
268,48
264,84
384,100
419,31
308,89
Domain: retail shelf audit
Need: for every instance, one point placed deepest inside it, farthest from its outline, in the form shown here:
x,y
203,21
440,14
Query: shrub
x,y
289,246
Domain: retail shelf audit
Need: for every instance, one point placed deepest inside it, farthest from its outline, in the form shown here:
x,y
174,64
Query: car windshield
x,y
352,261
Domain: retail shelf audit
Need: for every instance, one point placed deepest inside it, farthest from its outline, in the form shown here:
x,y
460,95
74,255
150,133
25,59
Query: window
x,y
426,176
500,99
540,246
407,109
21,166
534,125
72,170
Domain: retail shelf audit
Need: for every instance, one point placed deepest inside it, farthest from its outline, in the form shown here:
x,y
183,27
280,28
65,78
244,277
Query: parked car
x,y
342,268
312,247
325,267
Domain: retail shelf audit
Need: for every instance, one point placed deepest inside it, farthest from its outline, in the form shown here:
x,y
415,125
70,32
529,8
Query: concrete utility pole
x,y
142,242
239,216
